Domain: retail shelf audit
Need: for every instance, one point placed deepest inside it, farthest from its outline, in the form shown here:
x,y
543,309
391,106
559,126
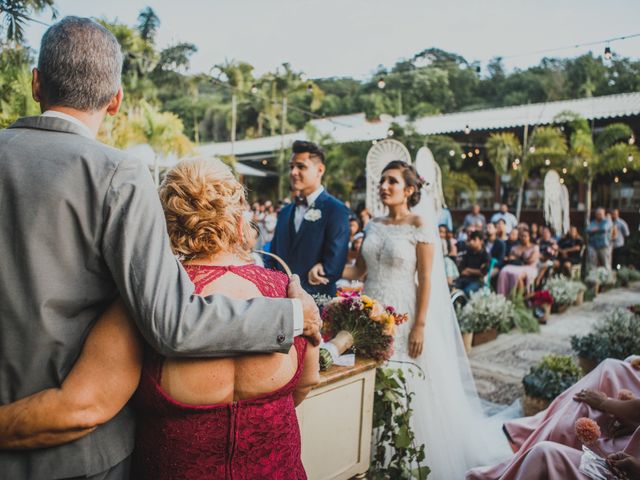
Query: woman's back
x,y
221,418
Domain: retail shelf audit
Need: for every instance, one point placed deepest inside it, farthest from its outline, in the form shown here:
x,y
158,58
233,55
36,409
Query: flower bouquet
x,y
357,320
541,302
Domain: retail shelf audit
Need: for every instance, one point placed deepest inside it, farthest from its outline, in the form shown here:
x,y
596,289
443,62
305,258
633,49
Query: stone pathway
x,y
498,366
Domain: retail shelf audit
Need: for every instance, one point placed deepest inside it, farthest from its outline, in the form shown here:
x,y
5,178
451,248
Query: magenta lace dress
x,y
256,438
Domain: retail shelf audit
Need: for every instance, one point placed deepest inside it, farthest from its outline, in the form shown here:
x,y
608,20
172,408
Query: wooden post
x,y
234,114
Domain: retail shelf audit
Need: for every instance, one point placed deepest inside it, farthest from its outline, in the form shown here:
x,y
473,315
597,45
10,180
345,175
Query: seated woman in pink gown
x,y
522,264
547,441
198,418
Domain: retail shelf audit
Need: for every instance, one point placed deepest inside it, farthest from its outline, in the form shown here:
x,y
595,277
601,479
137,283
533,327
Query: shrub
x,y
551,376
627,275
563,291
616,336
484,311
600,276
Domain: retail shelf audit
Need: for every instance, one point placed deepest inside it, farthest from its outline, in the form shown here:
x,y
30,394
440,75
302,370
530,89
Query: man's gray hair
x,y
80,64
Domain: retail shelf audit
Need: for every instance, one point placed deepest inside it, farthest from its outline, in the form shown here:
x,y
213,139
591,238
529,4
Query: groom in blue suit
x,y
314,230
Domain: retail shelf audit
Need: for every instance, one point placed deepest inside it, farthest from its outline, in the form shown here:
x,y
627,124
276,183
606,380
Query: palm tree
x,y
16,13
502,150
148,23
453,182
607,152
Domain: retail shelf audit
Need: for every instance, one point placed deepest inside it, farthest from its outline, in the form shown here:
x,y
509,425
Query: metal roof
x,y
356,128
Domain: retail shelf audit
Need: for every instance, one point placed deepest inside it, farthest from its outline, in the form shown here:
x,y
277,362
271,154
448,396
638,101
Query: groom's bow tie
x,y
301,201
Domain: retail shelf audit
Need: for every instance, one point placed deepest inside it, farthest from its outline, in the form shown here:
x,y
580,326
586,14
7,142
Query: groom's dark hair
x,y
314,151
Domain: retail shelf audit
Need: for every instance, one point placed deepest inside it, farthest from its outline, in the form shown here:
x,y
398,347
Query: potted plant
x,y
617,335
541,301
626,276
579,288
562,292
598,278
546,380
484,315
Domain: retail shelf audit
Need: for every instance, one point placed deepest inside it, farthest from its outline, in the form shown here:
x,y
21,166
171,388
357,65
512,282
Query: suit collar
x,y
53,124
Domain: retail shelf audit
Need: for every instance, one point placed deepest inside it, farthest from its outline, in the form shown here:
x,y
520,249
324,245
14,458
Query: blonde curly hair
x,y
204,206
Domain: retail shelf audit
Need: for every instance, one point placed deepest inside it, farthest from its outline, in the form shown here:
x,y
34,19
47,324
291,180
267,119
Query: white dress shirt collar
x,y
69,118
314,196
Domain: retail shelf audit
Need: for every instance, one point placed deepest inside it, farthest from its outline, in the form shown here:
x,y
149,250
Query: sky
x,y
335,38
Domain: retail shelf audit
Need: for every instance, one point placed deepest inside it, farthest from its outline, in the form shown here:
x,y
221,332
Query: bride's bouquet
x,y
352,319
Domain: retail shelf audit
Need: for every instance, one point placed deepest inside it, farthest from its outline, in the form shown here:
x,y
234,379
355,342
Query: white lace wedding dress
x,y
447,416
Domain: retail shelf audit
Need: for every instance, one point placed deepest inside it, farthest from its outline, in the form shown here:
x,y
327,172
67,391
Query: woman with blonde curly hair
x,y
201,418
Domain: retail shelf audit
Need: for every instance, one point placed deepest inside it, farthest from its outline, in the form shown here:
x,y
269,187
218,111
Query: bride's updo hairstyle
x,y
411,179
203,204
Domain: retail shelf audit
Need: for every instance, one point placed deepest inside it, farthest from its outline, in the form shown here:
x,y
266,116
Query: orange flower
x,y
587,431
377,312
625,394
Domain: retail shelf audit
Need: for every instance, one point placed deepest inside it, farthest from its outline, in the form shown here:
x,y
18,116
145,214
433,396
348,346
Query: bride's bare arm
x,y
97,388
357,271
424,254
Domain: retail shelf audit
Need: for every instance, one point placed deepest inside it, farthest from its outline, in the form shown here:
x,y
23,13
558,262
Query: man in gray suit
x,y
81,223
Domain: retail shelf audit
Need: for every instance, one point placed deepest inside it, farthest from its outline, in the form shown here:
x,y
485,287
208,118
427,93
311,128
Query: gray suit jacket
x,y
80,223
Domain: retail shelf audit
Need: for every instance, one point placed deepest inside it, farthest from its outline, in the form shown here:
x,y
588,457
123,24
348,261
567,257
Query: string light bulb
x,y
617,180
452,153
470,154
467,129
374,142
547,162
561,181
264,162
607,53
585,164
564,170
632,140
464,155
254,89
390,133
624,170
532,149
381,83
480,163
630,158
477,150
517,161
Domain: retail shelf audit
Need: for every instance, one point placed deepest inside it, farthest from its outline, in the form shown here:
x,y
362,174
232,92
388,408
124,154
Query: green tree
x,y
16,13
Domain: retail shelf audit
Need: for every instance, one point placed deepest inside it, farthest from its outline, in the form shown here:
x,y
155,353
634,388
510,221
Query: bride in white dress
x,y
405,268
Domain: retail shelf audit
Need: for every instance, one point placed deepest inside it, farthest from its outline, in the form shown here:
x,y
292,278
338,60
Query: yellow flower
x,y
367,301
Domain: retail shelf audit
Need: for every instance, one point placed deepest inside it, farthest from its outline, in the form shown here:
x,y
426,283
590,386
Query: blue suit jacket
x,y
325,240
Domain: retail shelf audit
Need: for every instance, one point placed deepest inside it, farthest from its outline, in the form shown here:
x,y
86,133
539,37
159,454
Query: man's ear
x,y
116,102
35,85
321,168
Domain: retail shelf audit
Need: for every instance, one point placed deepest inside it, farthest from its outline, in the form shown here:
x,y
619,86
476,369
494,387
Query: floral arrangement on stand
x,y
627,275
485,311
563,291
351,319
617,335
599,277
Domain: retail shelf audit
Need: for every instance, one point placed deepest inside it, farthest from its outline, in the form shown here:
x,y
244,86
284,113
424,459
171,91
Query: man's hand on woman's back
x,y
312,320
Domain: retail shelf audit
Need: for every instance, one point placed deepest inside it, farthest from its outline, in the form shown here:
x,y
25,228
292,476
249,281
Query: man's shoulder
x,y
333,203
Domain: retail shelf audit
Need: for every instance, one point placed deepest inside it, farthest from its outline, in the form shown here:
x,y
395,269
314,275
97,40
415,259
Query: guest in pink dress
x,y
522,265
547,443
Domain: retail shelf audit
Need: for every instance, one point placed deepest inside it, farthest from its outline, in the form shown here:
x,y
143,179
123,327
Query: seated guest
x,y
512,240
501,229
450,252
354,230
548,254
188,408
550,435
495,247
522,265
474,218
535,234
510,220
473,265
569,250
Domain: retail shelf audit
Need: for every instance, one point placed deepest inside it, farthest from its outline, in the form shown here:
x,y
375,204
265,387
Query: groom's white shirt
x,y
302,209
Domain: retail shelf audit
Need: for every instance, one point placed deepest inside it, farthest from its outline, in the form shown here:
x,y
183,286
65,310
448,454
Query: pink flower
x,y
625,394
377,312
587,431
